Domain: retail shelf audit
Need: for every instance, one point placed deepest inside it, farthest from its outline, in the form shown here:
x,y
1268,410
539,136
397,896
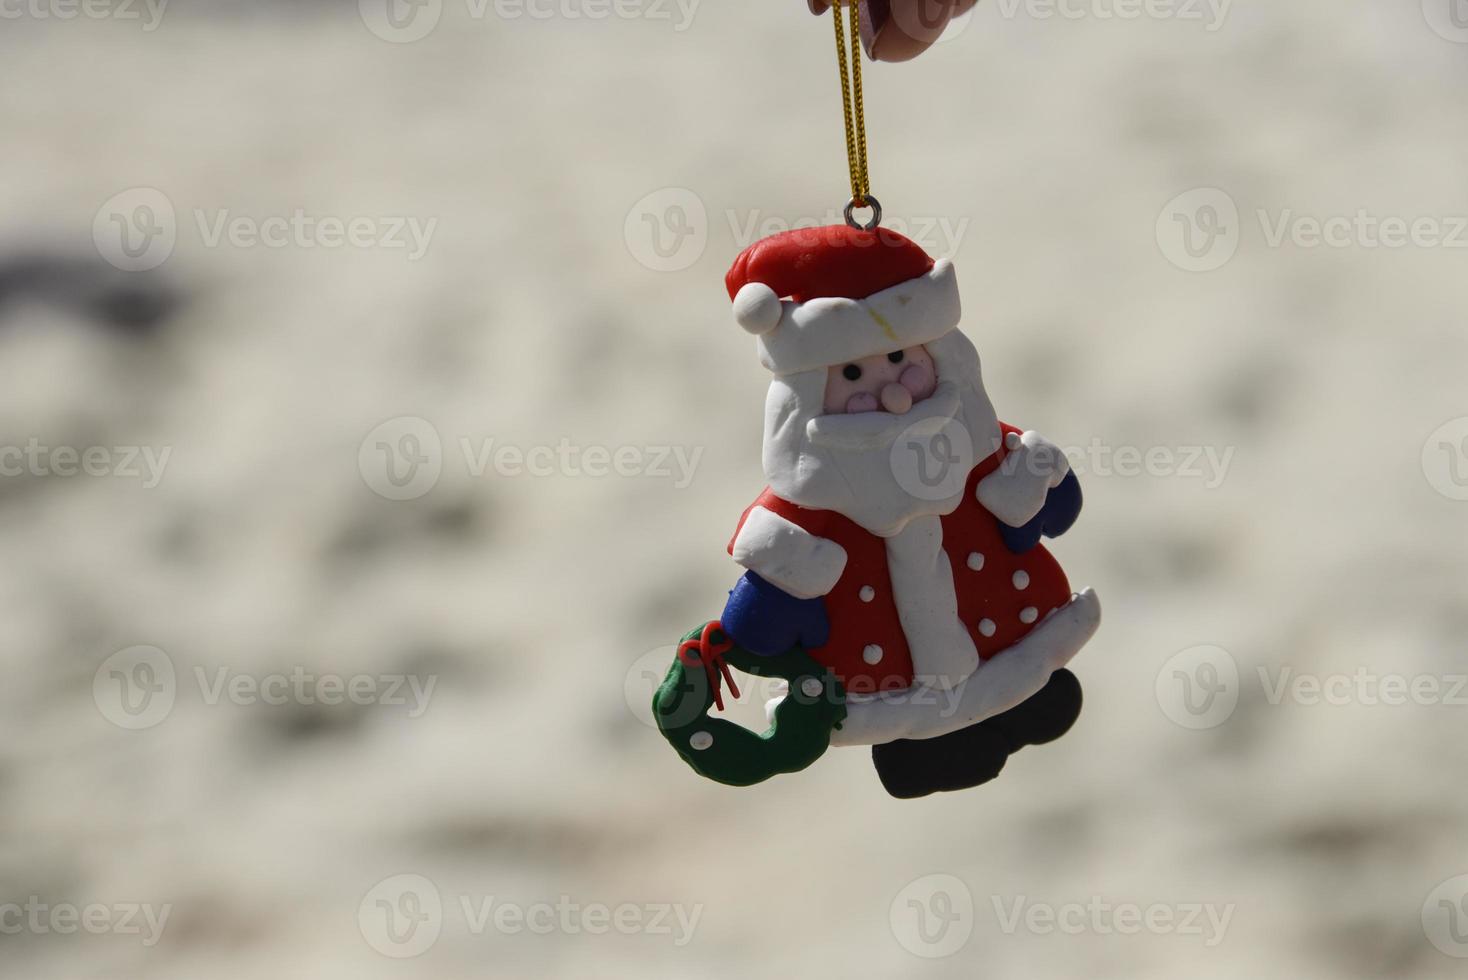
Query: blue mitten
x,y
1062,507
767,621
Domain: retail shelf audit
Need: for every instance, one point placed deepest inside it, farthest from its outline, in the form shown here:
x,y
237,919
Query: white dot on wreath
x,y
699,741
872,654
975,560
1021,579
812,687
867,593
1029,614
987,627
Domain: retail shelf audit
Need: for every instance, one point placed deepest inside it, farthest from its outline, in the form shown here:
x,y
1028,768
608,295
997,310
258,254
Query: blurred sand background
x,y
540,314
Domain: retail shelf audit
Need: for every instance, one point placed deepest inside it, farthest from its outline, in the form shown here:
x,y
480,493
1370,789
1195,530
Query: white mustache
x,y
873,430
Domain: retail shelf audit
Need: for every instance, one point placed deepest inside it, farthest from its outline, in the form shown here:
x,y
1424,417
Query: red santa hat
x,y
817,297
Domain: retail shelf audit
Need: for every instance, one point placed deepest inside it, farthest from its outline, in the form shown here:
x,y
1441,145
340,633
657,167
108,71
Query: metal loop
x,y
870,202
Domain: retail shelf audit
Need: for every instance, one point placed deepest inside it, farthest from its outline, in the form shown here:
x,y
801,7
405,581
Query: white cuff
x,y
1016,491
787,555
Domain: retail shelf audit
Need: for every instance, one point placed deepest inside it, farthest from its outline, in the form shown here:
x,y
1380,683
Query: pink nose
x,y
896,399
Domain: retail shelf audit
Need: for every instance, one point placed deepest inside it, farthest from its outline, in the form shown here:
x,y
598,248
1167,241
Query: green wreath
x,y
717,748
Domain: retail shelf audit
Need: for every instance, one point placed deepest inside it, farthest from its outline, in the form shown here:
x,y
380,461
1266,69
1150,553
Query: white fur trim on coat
x,y
943,653
833,330
999,684
787,555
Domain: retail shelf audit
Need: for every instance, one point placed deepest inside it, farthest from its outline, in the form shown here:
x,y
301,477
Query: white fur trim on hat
x,y
833,330
757,308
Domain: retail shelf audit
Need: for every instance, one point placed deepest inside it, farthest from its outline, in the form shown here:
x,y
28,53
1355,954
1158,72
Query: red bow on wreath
x,y
710,652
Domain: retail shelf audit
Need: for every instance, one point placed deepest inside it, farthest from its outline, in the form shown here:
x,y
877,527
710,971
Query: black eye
x,y
851,372
895,357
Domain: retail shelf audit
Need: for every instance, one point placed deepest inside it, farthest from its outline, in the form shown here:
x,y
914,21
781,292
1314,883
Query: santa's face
x,y
890,382
826,450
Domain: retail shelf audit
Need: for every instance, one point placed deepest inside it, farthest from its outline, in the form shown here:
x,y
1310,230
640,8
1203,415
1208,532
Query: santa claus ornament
x,y
893,571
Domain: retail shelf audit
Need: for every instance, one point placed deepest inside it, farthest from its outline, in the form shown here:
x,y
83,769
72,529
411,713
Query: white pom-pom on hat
x,y
756,308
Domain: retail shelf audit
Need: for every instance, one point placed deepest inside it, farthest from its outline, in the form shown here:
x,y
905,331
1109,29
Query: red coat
x,y
999,601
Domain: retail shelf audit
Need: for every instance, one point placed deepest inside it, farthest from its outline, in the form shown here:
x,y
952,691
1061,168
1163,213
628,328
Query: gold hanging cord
x,y
853,112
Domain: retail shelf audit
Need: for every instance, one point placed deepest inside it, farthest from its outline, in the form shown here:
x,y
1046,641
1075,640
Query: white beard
x,y
878,469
